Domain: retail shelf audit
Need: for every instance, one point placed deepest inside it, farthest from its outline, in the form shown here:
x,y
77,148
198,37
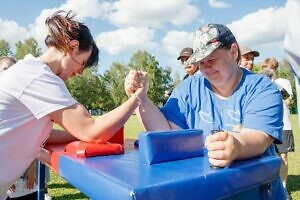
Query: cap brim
x,y
255,53
200,55
184,55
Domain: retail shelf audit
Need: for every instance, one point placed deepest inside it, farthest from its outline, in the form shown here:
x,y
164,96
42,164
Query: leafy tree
x,y
87,89
30,45
256,68
160,79
177,80
114,83
4,48
105,98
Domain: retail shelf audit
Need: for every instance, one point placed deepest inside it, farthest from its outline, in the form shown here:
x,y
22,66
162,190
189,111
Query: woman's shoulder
x,y
31,67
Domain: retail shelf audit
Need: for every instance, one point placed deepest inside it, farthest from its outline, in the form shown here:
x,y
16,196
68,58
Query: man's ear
x,y
234,50
73,44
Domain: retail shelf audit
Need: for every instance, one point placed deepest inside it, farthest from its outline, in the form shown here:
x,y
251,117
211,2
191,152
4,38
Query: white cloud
x,y
261,27
87,8
152,13
128,13
12,32
174,41
38,29
83,9
218,4
122,40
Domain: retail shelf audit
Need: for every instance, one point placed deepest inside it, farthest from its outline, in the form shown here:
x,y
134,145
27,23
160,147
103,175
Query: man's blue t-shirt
x,y
256,103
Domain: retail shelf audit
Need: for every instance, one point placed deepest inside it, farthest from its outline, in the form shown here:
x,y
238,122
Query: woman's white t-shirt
x,y
285,84
29,91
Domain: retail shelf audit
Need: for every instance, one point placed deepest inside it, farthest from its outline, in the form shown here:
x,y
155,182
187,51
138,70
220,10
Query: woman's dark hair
x,y
62,29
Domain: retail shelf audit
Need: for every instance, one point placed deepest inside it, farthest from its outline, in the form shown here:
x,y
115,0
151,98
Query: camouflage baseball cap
x,y
209,38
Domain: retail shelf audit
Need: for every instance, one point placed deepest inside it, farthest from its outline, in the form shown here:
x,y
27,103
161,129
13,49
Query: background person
x,y
247,57
33,96
6,62
25,188
184,55
288,144
190,69
225,97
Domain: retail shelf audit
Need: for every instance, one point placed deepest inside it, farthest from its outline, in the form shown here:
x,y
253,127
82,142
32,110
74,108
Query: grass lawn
x,y
61,190
293,182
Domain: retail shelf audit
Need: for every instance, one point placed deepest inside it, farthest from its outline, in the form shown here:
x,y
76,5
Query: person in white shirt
x,y
33,96
26,186
288,144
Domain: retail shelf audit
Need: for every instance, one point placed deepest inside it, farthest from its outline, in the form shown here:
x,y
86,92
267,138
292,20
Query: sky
x,y
161,27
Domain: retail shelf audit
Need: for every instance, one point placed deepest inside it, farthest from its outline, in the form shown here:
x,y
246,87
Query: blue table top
x,y
124,177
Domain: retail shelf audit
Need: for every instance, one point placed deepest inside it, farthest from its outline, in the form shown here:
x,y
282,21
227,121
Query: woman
x,y
245,108
33,96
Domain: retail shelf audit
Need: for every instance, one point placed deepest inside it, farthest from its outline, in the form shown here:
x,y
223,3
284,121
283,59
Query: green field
x,y
61,190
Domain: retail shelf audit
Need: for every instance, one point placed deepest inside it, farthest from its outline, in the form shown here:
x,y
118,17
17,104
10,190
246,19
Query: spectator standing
x,y
247,57
190,69
184,55
288,144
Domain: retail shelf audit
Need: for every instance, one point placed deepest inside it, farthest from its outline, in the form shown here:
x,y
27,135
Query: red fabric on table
x,y
89,149
118,137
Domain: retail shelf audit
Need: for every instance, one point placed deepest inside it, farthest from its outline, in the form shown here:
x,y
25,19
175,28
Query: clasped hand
x,y
136,82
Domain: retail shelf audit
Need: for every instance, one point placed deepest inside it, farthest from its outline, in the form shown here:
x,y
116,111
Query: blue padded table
x,y
124,177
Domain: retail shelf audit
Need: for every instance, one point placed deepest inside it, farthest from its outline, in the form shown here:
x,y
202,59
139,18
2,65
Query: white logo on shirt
x,y
234,115
206,117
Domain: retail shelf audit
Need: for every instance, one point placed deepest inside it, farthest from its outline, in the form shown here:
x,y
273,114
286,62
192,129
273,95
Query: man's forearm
x,y
150,116
252,143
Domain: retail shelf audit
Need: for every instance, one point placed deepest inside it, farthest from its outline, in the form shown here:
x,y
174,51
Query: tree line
x,y
105,92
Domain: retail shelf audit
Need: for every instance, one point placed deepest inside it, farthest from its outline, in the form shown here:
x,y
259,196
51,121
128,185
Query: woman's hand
x,y
136,83
30,176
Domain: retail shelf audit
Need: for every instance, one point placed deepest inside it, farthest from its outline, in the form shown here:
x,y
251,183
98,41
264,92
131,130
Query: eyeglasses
x,y
76,61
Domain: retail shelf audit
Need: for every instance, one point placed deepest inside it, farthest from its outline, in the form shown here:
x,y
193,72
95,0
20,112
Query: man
x,y
189,69
183,57
224,97
247,57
